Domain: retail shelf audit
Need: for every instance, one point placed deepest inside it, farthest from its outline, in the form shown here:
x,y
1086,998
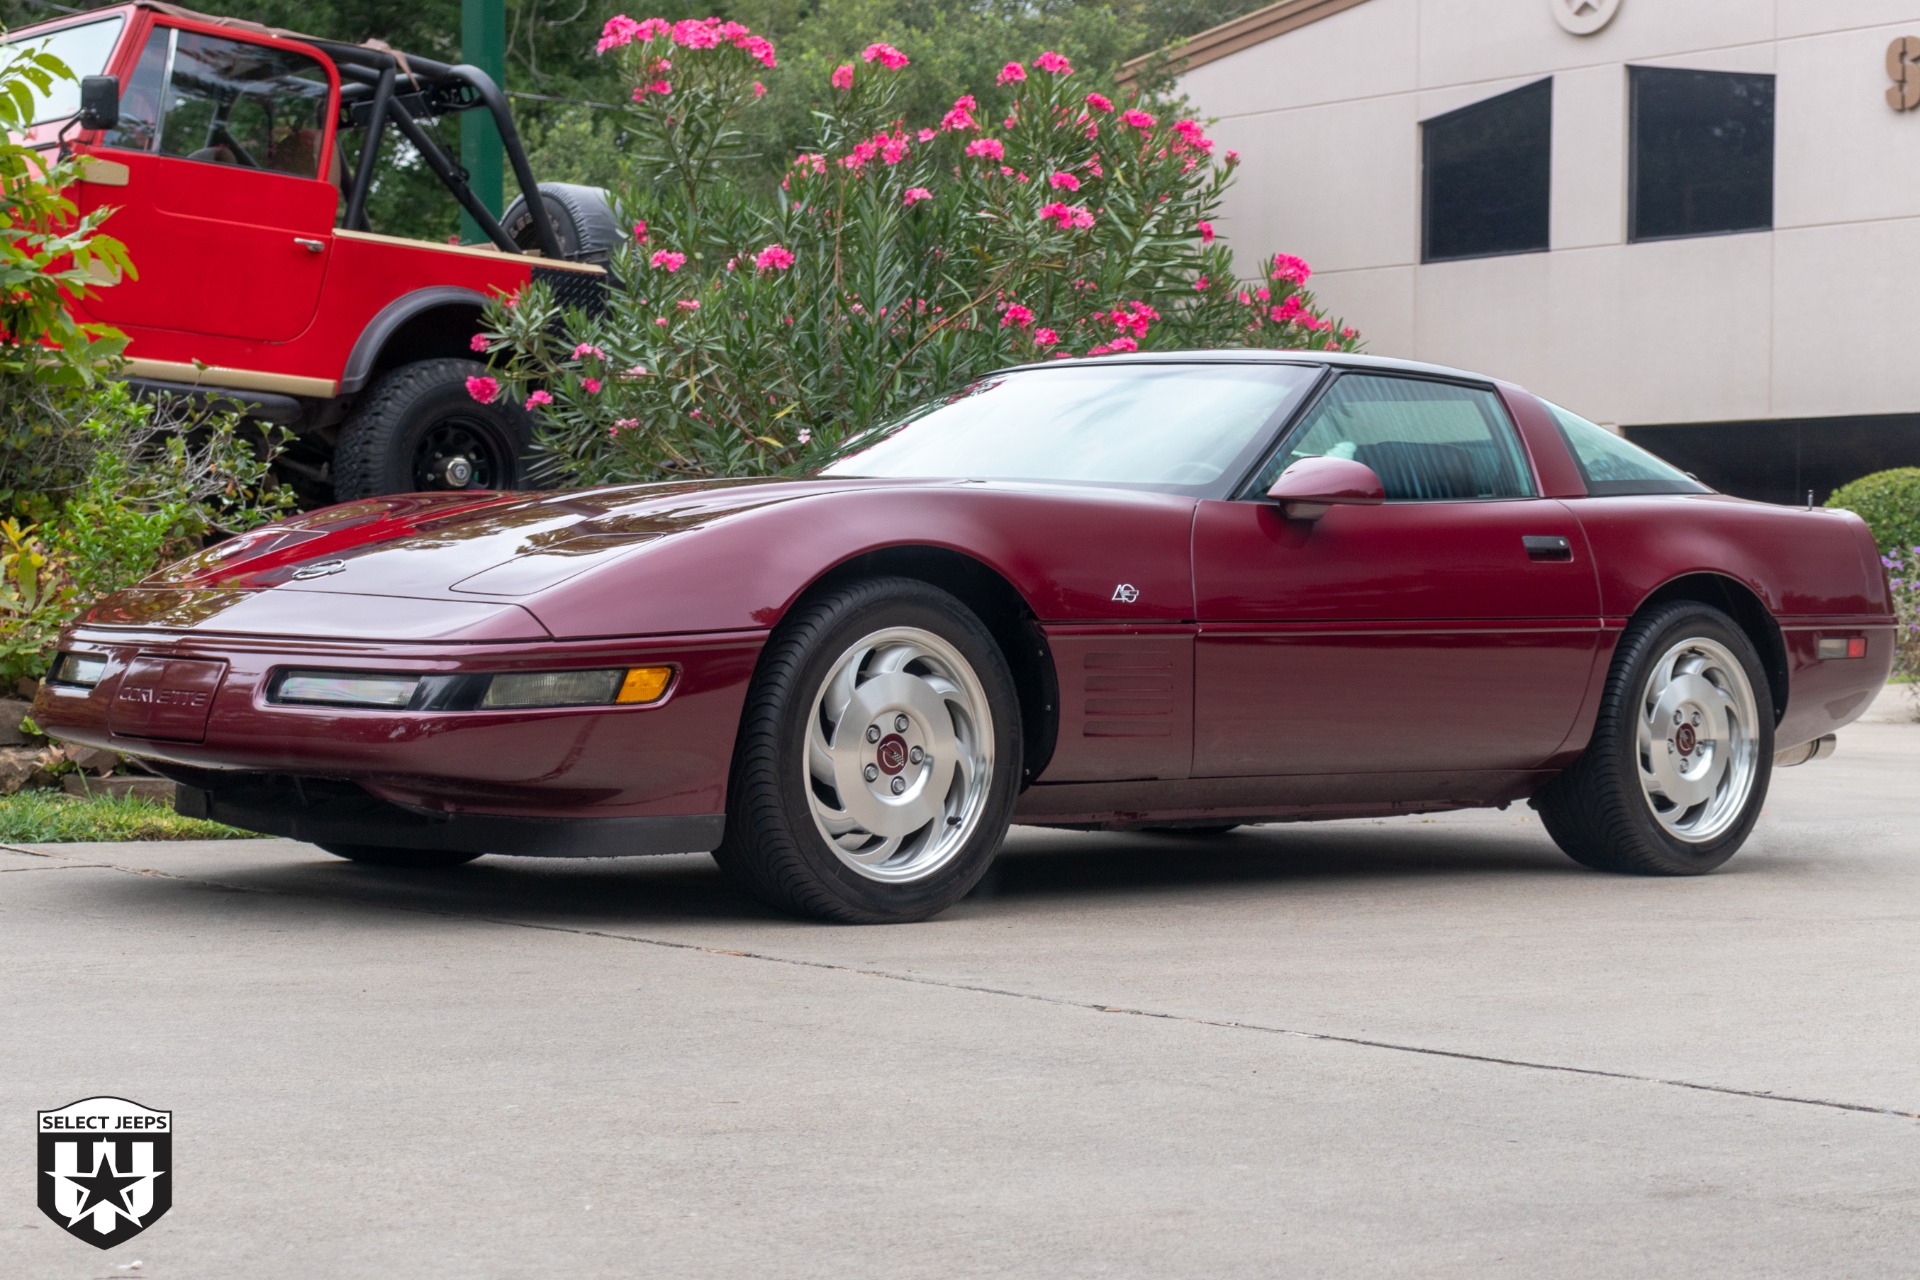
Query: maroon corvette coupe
x,y
1178,591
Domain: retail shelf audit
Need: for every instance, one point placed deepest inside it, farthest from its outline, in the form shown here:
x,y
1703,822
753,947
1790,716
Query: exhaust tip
x,y
1819,749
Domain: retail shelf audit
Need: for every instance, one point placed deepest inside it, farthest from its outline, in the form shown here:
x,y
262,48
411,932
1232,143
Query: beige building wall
x,y
1811,319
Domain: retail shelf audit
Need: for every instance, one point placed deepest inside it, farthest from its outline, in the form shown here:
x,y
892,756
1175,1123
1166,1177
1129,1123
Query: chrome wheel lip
x,y
934,742
1697,740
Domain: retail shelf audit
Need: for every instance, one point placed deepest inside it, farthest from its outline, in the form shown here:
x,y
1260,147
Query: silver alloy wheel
x,y
1698,741
899,754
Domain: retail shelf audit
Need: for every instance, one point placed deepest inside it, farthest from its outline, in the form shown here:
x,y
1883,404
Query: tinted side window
x,y
1702,153
140,98
1612,466
251,105
1427,441
1486,176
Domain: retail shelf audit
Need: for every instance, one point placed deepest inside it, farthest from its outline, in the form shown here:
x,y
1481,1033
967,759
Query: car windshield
x,y
84,48
1160,426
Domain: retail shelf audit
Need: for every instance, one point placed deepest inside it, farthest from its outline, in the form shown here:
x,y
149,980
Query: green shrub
x,y
1889,501
758,332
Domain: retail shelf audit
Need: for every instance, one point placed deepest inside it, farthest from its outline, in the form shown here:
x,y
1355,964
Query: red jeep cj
x,y
224,148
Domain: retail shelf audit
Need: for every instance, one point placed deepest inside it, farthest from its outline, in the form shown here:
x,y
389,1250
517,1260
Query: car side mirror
x,y
99,102
1307,488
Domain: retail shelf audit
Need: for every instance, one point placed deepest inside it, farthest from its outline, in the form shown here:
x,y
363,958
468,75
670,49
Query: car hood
x,y
475,552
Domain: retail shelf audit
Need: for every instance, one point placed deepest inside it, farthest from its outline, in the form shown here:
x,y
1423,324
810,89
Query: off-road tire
x,y
382,438
772,846
1597,811
380,855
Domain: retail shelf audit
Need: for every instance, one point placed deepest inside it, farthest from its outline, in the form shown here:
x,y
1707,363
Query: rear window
x,y
1612,466
85,49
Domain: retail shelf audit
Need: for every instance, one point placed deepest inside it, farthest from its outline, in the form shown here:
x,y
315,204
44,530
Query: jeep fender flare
x,y
364,359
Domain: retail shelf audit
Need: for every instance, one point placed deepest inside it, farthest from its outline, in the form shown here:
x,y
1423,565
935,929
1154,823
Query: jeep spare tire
x,y
584,220
418,429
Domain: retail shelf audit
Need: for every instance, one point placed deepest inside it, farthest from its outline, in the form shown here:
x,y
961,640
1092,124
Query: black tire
x,y
1600,813
381,855
773,846
585,222
407,434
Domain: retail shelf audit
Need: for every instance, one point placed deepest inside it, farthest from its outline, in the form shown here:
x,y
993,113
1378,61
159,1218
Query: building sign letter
x,y
1903,68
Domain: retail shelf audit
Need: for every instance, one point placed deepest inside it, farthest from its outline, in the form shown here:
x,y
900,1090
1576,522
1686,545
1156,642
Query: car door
x,y
217,177
1452,628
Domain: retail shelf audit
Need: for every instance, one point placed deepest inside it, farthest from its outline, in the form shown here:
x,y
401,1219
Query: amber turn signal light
x,y
645,684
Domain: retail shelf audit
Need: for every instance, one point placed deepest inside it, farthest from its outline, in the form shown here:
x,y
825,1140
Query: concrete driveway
x,y
1418,1047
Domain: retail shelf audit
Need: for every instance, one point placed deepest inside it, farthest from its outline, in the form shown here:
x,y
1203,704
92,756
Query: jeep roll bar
x,y
369,96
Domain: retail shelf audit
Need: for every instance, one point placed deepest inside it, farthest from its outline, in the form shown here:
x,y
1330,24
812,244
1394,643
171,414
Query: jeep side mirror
x,y
99,102
1307,488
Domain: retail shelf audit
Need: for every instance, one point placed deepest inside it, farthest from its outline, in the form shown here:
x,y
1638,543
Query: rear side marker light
x,y
82,669
1832,647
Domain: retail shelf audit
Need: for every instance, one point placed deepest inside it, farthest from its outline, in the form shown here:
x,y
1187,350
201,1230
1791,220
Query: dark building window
x,y
1702,153
1487,170
1779,460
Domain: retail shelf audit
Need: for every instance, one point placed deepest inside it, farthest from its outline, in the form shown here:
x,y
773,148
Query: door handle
x,y
1543,547
311,246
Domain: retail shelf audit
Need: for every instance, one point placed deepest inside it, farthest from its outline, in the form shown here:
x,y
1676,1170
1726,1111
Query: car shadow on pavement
x,y
1036,865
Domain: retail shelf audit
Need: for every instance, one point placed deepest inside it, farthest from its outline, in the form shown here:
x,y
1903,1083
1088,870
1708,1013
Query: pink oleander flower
x,y
810,163
991,148
1070,217
1137,118
1100,102
1287,310
759,48
960,116
1202,285
915,195
774,257
1288,267
1016,316
585,349
660,87
843,76
1349,332
1206,231
1233,157
661,320
693,33
1191,134
886,55
805,436
667,260
759,90
1063,182
623,424
591,386
639,233
1012,73
485,390
620,30
479,342
1045,337
1117,344
926,135
1263,293
537,400
893,147
1134,318
1053,62
688,304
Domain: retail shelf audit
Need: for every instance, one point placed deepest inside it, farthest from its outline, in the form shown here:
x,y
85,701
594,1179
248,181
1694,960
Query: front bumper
x,y
667,759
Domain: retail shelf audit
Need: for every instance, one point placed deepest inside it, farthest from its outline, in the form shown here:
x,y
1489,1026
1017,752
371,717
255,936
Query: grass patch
x,y
54,817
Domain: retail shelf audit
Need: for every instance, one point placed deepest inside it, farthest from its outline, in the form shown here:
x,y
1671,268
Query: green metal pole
x,y
483,43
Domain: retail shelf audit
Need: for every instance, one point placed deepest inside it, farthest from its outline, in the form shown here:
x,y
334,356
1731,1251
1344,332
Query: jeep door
x,y
217,175
1451,629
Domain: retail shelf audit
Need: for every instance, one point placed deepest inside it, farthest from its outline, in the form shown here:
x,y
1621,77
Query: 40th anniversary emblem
x,y
106,1168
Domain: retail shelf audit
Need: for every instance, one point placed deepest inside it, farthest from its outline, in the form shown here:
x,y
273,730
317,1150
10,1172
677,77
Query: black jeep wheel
x,y
418,429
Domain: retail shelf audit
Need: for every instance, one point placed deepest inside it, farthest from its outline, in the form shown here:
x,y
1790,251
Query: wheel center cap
x,y
891,754
1683,739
